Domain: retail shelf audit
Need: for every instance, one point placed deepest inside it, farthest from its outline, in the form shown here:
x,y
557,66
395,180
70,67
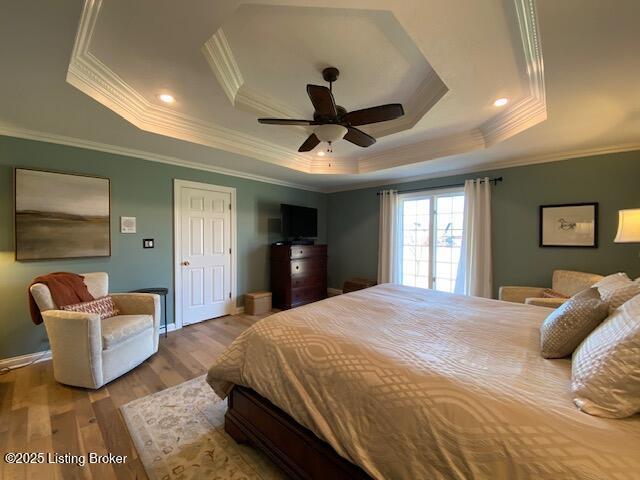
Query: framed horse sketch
x,y
569,225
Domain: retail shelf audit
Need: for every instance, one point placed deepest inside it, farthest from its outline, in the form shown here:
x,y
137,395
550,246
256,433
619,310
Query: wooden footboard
x,y
253,419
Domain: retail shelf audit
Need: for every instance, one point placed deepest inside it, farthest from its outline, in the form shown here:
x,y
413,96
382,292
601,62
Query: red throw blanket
x,y
66,289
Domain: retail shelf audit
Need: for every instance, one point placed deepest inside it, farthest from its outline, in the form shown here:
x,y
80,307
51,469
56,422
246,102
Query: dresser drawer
x,y
304,295
309,280
308,266
304,251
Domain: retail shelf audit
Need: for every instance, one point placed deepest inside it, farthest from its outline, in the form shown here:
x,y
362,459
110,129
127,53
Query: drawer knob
x,y
300,252
297,267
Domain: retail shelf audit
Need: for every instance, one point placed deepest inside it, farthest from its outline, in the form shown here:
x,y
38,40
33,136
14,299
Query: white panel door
x,y
205,262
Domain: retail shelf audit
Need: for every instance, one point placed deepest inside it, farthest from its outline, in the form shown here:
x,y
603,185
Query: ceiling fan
x,y
333,121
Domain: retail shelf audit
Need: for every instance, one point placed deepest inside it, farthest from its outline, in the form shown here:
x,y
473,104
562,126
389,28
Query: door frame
x,y
177,244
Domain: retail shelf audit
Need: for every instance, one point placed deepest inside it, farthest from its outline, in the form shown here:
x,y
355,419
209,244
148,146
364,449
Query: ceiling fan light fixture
x,y
330,132
321,153
501,102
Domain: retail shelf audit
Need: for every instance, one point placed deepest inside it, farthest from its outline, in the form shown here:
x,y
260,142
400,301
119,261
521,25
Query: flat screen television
x,y
298,222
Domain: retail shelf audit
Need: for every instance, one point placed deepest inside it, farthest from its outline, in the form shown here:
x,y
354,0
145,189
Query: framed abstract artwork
x,y
61,215
570,225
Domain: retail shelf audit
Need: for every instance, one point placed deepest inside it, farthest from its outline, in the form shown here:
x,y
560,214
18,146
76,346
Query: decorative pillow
x,y
103,306
569,324
605,376
616,289
549,293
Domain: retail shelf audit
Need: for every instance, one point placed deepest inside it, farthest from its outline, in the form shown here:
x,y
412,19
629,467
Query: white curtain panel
x,y
387,237
474,270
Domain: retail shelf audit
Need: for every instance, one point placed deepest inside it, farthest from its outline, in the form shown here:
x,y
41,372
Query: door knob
x,y
185,264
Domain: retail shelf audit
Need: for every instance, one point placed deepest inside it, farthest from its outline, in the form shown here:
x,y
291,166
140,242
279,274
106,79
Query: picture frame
x,y
571,225
61,215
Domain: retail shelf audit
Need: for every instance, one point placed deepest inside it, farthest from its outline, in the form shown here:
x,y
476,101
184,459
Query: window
x,y
430,234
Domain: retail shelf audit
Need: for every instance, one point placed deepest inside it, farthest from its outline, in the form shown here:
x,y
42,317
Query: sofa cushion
x,y
121,327
605,376
566,327
569,282
102,306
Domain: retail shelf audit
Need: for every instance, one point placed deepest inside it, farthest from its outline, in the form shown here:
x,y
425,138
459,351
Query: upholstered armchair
x,y
89,352
565,282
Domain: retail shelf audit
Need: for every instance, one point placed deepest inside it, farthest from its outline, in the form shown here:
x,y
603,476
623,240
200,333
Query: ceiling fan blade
x,y
358,137
284,121
381,113
322,100
310,143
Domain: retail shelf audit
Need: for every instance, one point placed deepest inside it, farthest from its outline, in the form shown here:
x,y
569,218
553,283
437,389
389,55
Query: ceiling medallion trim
x,y
91,76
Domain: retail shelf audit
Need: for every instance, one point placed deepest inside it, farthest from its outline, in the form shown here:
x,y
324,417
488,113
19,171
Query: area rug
x,y
179,434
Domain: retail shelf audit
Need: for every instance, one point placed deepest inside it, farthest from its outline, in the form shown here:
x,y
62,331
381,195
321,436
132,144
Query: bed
x,y
406,383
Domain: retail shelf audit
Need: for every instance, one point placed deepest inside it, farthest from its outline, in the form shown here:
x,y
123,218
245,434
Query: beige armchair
x,y
565,282
89,352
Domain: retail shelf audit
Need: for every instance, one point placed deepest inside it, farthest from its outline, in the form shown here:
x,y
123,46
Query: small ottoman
x,y
257,303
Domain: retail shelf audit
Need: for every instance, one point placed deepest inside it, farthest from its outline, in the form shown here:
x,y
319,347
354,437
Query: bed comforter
x,y
418,384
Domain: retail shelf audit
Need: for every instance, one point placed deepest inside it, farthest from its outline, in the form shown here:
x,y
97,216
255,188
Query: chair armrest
x,y
76,347
518,294
546,302
140,303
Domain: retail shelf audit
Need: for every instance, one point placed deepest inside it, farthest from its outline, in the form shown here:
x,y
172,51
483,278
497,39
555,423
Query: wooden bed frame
x,y
253,419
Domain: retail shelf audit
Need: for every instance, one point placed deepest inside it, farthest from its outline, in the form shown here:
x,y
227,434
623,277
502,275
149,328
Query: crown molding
x,y
509,163
88,74
16,132
422,151
219,56
428,93
26,134
91,76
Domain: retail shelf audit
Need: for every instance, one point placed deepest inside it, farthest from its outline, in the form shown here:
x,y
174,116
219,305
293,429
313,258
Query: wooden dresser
x,y
298,274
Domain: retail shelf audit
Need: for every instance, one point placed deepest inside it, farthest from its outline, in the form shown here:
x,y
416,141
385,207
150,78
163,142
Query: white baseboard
x,y
332,292
22,360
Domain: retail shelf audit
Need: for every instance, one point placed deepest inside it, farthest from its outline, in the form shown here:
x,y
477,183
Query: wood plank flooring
x,y
37,414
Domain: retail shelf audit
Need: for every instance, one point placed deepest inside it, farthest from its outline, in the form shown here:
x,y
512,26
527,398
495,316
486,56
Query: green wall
x,y
141,189
144,189
611,180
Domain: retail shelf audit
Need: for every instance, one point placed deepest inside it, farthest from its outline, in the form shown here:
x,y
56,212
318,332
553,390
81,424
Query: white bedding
x,y
411,383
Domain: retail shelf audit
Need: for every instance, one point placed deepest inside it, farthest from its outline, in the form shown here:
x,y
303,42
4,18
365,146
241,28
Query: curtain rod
x,y
491,180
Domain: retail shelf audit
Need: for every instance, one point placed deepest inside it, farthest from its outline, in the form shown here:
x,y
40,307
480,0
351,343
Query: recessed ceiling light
x,y
501,102
321,153
166,98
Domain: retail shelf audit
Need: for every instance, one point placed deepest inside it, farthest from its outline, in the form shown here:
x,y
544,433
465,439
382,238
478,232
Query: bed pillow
x,y
568,325
616,289
605,373
104,306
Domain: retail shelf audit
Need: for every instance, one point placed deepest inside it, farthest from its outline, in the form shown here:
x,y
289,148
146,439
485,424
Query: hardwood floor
x,y
37,414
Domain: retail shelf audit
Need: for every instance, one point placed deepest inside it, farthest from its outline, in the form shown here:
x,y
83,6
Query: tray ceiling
x,y
239,61
119,56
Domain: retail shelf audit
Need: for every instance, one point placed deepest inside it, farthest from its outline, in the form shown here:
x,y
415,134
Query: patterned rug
x,y
179,434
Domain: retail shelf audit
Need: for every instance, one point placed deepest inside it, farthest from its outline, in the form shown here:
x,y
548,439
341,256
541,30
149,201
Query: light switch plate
x,y
147,243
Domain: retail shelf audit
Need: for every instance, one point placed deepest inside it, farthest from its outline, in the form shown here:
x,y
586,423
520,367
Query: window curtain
x,y
388,269
474,269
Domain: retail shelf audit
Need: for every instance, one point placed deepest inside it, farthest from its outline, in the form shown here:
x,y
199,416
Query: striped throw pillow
x,y
104,306
605,374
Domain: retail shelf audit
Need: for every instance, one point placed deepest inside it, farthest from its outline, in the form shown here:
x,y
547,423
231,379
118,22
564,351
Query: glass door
x,y
430,238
